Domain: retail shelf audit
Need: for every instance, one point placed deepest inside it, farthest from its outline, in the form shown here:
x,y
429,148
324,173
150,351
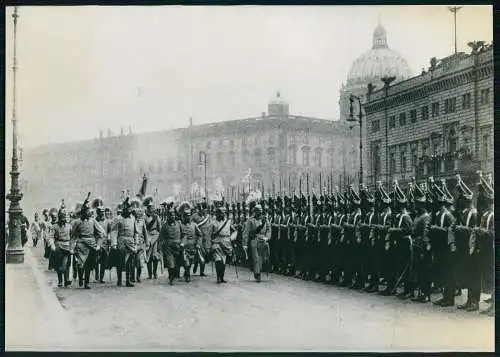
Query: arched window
x,y
231,159
305,157
270,155
258,157
318,158
292,154
452,141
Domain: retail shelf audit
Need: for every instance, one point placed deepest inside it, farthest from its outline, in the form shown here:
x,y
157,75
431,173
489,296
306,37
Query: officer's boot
x,y
80,277
195,267
101,275
150,269
187,273
218,271
119,271
139,271
171,276
132,274
155,269
222,271
96,273
75,270
87,278
67,282
128,272
202,269
59,280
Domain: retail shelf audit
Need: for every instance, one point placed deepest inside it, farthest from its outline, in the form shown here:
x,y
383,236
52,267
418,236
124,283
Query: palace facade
x,y
435,124
277,147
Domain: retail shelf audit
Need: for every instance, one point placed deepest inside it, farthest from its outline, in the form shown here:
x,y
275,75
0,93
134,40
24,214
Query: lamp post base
x,y
14,256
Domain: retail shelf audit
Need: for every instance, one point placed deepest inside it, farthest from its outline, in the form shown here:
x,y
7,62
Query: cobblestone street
x,y
278,314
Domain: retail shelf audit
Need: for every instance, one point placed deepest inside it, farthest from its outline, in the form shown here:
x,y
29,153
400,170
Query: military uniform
x,y
153,227
205,224
89,235
62,248
256,234
190,238
223,233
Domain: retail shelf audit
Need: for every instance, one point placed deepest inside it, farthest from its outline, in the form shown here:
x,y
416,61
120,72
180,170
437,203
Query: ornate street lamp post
x,y
359,119
14,252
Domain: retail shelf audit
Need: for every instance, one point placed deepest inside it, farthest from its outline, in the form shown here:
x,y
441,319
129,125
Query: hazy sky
x,y
86,68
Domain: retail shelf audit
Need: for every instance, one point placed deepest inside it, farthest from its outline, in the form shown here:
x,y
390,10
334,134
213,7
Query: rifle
x,y
320,187
308,196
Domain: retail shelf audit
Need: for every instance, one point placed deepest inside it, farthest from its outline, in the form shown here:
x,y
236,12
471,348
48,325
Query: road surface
x,y
279,314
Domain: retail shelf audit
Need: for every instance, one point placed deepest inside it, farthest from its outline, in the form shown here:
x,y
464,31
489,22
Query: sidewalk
x,y
34,319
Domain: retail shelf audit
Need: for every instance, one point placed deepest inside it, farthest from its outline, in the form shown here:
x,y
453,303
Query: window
x,y
244,141
270,155
435,109
245,156
376,160
209,143
271,139
292,155
452,141
413,158
231,143
466,101
402,119
392,162
392,121
413,115
317,158
425,112
486,146
485,96
450,105
305,157
258,157
375,126
403,160
231,159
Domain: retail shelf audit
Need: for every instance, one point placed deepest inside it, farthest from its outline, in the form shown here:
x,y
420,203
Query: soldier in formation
x,y
417,240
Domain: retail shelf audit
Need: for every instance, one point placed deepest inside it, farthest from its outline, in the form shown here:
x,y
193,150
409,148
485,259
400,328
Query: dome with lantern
x,y
378,62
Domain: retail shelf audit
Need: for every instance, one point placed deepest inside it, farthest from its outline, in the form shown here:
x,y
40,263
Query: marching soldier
x,y
88,234
62,248
402,244
35,230
170,237
205,224
153,227
126,235
443,256
50,236
142,242
102,255
461,235
484,243
190,237
422,246
256,233
223,233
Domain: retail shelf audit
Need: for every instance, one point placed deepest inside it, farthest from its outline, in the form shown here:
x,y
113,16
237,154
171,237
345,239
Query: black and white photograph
x,y
249,178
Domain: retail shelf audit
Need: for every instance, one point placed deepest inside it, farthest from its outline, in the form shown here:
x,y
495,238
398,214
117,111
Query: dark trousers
x,y
474,278
389,267
449,277
423,267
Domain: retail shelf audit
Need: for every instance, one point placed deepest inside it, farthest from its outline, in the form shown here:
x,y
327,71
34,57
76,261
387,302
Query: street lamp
x,y
203,161
360,120
387,82
14,252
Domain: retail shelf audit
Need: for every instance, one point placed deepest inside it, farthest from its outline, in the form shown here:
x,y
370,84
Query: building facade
x,y
436,124
278,148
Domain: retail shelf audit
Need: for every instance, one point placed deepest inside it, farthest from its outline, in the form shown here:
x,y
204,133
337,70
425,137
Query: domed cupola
x,y
370,67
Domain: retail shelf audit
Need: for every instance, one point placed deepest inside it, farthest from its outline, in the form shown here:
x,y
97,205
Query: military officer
x,y
223,233
364,262
205,224
190,239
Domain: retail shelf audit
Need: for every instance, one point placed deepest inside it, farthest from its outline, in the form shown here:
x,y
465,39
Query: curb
x,y
62,333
